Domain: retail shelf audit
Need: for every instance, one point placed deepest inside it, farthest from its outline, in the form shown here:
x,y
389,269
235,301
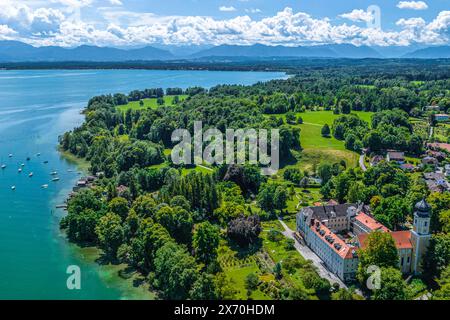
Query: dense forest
x,y
170,221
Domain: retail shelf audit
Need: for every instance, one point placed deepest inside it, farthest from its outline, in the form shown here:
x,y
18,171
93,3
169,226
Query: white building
x,y
320,227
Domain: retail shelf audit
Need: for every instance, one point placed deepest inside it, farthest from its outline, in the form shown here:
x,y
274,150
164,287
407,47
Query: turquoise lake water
x,y
36,107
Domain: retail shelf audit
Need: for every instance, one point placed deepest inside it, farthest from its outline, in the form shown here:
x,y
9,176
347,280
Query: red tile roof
x,y
370,222
402,239
345,252
442,146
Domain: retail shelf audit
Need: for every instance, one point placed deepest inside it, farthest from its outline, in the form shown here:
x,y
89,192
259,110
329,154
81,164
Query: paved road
x,y
361,162
308,254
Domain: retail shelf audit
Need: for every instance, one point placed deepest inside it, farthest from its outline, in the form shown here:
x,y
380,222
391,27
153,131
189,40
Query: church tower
x,y
420,235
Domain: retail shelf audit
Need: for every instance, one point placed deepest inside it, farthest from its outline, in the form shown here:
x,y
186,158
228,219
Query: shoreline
x,y
128,281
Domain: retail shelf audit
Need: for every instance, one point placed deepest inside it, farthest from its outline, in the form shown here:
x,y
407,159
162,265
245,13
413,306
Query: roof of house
x,y
402,239
328,211
396,155
433,176
370,222
442,146
441,115
407,166
338,245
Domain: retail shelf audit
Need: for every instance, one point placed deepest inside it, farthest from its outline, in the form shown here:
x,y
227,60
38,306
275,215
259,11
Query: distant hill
x,y
430,53
259,50
15,51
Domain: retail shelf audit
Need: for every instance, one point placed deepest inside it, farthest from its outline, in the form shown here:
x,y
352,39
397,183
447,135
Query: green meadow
x,y
316,148
149,103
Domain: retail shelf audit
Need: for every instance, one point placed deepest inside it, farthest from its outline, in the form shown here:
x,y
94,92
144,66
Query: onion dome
x,y
422,208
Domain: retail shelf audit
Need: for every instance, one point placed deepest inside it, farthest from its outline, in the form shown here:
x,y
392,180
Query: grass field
x,y
316,148
149,103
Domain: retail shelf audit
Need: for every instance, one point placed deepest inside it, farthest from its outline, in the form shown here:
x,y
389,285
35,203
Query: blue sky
x,y
214,22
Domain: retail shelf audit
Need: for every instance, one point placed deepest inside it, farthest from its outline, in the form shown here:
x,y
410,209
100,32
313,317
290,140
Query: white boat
x,y
20,170
3,166
10,155
54,173
13,188
44,186
38,154
31,174
55,179
22,165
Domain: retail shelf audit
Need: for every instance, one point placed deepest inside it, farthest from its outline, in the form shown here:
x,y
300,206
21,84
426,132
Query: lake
x,y
35,108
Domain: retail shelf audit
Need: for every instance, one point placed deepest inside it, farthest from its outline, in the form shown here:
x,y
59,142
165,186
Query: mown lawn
x,y
322,117
149,103
316,148
237,265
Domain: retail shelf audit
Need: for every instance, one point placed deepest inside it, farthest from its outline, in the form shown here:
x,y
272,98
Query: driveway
x,y
361,162
308,254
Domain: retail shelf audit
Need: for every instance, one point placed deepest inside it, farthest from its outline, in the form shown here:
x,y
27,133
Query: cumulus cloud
x,y
227,9
358,15
414,5
25,20
116,2
116,26
6,32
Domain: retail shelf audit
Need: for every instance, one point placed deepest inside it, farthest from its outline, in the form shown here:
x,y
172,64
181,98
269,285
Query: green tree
x,y
393,287
205,242
175,271
204,288
110,233
225,288
344,294
345,106
325,172
325,130
251,282
378,249
443,293
119,206
437,257
277,270
438,202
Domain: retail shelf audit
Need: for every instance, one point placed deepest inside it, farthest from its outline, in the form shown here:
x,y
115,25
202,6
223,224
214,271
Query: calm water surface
x,y
36,107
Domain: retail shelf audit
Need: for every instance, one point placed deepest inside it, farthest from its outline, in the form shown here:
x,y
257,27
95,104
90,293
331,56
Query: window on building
x,y
425,224
402,261
407,260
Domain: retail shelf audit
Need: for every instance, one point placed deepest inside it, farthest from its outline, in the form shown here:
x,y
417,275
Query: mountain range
x,y
15,51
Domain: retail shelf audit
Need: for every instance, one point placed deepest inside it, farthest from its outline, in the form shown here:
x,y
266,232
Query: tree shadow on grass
x,y
243,251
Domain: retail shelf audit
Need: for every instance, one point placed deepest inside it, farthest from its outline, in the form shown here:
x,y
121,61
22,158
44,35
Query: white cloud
x,y
116,2
74,4
116,26
358,15
6,32
26,20
253,10
414,5
227,9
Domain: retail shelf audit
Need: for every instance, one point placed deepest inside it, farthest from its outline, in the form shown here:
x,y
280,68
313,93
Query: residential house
x,y
396,156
